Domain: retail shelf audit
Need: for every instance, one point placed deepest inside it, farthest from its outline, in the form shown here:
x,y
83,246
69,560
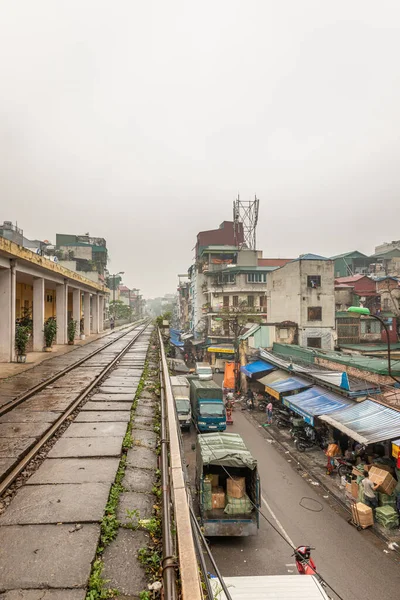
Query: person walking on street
x,y
269,413
112,323
369,491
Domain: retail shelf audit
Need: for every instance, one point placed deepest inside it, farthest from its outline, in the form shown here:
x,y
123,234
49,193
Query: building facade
x,y
35,288
303,293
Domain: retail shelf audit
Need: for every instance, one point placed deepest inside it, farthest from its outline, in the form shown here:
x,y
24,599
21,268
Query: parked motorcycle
x,y
283,418
304,563
309,438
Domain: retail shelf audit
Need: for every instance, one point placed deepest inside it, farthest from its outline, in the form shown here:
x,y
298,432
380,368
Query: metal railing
x,y
175,491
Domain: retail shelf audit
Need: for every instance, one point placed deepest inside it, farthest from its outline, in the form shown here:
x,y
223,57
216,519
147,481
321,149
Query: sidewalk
x,y
313,462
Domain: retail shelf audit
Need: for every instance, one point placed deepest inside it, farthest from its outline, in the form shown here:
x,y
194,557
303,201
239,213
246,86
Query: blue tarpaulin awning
x,y
287,385
254,368
313,402
367,422
174,336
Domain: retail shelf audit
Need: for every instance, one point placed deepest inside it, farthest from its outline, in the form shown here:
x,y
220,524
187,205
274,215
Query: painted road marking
x,y
273,515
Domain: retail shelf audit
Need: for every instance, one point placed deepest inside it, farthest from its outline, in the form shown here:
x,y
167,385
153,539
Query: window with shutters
x,y
314,313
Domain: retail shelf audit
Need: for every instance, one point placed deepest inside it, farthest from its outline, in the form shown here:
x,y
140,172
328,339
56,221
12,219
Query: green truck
x,y
208,410
228,485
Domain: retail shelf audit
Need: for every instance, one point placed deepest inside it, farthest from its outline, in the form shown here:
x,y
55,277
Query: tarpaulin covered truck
x,y
228,485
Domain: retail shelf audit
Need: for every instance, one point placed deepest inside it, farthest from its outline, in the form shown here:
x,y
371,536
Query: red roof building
x,y
363,285
273,262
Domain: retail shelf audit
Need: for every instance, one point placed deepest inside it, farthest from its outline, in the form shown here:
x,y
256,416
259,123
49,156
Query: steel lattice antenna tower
x,y
246,213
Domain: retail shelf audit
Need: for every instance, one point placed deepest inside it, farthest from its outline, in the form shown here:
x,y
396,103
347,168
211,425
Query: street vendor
x,y
369,491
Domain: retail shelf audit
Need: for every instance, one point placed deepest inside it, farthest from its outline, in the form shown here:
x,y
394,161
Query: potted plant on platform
x,y
22,333
72,326
50,332
82,329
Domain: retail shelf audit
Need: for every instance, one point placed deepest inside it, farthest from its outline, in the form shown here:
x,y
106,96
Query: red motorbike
x,y
304,563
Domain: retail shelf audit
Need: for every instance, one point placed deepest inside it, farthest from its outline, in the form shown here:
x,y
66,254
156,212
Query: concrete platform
x,y
142,457
75,470
83,448
85,430
24,416
128,501
17,430
103,389
65,503
145,438
112,398
91,416
139,480
44,595
46,556
122,568
15,447
121,381
112,406
144,423
144,411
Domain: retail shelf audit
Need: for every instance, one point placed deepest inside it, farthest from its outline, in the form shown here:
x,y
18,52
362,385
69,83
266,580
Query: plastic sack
x,y
238,506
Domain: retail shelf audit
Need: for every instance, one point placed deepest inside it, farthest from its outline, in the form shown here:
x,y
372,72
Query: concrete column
x,y
38,314
61,312
76,311
5,315
101,314
95,313
13,301
86,313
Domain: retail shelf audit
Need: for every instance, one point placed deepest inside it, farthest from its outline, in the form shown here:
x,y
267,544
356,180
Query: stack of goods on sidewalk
x,y
362,515
233,498
386,493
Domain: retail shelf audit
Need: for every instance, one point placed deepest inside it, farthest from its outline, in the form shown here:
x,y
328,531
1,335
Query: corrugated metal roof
x,y
317,401
367,422
259,366
361,255
310,257
289,384
277,375
270,587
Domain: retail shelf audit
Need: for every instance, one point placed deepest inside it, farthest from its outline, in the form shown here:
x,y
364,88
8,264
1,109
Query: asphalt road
x,y
354,563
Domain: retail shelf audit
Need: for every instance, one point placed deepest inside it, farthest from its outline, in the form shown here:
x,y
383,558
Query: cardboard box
x,y
236,487
214,480
348,487
218,497
362,515
387,483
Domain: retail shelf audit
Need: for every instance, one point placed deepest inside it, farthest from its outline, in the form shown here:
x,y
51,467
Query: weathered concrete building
x,y
303,292
40,288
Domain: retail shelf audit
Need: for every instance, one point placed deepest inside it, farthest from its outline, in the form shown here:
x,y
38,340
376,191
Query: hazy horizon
x,y
141,122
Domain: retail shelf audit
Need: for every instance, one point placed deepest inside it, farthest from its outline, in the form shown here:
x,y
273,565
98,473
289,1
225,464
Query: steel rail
x,y
168,562
11,477
41,386
188,567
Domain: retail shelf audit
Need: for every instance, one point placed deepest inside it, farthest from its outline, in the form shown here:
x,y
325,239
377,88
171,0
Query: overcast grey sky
x,y
140,121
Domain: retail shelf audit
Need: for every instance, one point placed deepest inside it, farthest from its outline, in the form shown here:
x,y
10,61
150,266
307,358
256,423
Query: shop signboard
x,y
396,448
308,418
272,392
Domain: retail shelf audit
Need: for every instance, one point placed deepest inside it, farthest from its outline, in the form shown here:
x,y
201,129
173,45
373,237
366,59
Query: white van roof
x,y
270,587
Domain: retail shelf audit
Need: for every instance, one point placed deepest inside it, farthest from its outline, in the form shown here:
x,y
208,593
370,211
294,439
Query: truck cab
x,y
208,408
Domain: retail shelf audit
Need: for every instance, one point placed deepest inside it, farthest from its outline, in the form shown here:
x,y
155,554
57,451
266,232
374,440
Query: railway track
x,y
30,421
